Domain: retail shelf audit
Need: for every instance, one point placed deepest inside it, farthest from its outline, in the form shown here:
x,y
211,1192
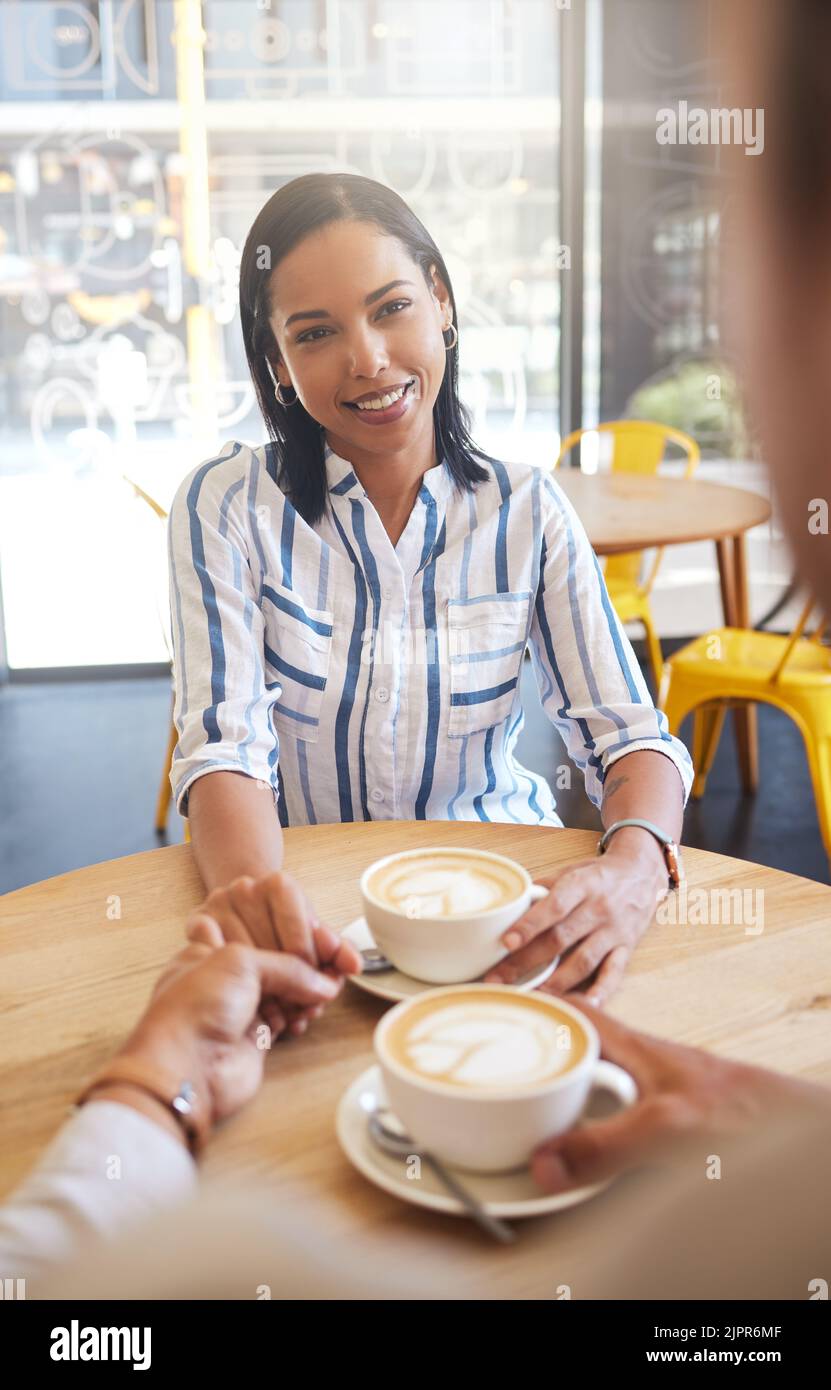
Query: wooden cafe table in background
x,y
74,980
628,511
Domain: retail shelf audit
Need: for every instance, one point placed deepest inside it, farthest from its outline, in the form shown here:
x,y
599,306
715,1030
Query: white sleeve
x,y
223,708
107,1169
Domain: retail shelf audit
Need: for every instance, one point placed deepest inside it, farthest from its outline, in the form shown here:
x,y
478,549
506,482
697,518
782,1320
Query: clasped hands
x,y
592,918
211,1006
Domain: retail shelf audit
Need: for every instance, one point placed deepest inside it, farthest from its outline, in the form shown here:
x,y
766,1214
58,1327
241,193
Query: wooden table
x,y
73,981
624,511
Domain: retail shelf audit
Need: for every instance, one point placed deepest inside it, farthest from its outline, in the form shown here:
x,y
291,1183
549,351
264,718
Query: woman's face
x,y
334,347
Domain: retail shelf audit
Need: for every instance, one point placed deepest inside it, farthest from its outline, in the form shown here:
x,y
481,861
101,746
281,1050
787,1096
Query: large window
x,y
656,302
139,139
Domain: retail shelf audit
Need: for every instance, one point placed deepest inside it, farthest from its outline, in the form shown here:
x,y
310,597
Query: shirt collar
x,y
341,478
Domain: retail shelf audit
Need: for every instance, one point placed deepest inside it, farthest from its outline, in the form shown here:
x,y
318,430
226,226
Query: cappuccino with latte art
x,y
439,913
480,1075
445,885
486,1040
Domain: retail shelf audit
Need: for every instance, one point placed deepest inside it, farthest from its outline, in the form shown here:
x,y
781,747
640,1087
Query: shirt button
x,y
377,794
382,693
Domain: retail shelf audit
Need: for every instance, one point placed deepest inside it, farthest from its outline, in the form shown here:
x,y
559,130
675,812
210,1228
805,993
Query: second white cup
x,y
449,949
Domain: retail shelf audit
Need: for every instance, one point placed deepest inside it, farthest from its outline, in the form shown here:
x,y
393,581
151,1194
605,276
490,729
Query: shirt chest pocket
x,y
298,651
486,641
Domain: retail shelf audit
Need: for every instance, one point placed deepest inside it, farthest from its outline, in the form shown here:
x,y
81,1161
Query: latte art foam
x,y
445,885
486,1042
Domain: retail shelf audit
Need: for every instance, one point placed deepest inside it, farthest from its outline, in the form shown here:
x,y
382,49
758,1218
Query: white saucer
x,y
511,1195
394,985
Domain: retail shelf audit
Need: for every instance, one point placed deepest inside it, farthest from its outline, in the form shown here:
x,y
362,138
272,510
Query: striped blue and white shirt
x,y
366,681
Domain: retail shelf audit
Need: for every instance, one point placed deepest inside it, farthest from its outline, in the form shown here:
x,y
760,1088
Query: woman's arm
x,y
238,843
223,710
591,686
592,689
226,768
647,786
598,909
234,828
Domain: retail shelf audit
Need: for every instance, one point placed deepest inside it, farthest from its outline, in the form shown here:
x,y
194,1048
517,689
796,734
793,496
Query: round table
x,y
629,511
79,955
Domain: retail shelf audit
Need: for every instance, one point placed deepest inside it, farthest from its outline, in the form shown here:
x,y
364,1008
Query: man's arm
x,y
122,1156
108,1168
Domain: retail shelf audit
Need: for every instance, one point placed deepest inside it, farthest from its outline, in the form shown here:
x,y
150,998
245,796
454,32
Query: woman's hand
x,y
274,913
206,1018
594,916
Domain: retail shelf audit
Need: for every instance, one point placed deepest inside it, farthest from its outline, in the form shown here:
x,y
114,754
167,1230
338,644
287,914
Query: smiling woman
x,y
349,255
352,602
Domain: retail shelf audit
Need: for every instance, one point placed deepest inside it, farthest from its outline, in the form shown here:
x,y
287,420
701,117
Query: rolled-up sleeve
x,y
222,710
590,683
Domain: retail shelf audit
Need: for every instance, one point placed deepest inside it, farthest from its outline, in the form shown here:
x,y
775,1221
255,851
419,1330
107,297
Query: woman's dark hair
x,y
302,206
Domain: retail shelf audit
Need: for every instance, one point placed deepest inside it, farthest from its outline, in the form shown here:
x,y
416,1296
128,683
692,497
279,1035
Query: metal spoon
x,y
375,961
400,1145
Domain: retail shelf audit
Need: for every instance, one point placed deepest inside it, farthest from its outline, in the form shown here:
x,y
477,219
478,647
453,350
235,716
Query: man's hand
x,y
690,1104
206,1016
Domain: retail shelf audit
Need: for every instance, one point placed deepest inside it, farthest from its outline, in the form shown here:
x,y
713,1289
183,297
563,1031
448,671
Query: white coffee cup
x,y
494,1128
446,949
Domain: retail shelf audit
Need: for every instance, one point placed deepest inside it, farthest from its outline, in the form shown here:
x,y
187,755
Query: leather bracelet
x,y
178,1097
671,852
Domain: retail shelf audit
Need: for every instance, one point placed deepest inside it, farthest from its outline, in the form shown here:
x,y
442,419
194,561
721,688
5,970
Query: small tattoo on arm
x,y
615,786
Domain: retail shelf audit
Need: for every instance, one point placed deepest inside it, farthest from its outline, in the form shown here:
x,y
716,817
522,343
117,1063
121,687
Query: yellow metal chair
x,y
638,446
732,666
165,793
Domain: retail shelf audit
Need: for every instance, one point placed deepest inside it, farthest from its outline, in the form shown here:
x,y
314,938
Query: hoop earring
x,y
280,398
448,347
